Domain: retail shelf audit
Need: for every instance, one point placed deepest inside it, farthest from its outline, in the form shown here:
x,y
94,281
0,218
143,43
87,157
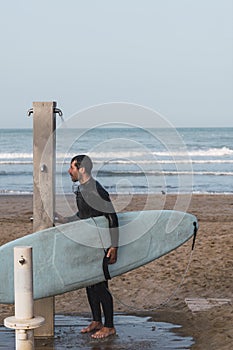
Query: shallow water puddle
x,y
136,333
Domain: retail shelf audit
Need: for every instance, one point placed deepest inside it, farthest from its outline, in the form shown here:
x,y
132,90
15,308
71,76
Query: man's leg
x,y
106,300
94,302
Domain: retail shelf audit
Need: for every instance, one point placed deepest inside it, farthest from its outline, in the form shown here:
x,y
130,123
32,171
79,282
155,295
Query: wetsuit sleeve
x,y
113,227
110,214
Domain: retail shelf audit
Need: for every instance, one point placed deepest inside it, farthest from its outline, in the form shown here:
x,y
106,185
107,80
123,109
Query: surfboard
x,y
68,257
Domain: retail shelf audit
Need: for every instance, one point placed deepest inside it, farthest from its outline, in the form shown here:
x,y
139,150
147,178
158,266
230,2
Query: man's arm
x,y
114,233
113,228
108,211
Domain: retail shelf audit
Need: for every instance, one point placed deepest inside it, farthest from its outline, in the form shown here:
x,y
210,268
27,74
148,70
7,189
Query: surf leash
x,y
162,304
168,300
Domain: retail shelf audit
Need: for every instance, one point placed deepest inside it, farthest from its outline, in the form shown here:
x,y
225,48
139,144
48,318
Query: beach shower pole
x,y
44,163
24,321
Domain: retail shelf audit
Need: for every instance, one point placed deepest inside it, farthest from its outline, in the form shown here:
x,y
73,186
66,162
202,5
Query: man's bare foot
x,y
93,326
104,332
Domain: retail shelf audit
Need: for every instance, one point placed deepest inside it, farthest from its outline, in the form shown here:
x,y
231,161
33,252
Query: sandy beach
x,y
209,277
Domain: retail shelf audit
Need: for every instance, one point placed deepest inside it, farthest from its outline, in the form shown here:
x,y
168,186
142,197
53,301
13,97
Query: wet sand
x,y
140,333
210,274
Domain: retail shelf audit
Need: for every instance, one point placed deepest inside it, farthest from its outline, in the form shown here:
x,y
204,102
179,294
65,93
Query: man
x,y
93,200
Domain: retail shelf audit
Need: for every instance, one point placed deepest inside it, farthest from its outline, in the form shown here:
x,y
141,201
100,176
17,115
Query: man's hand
x,y
65,219
61,219
112,255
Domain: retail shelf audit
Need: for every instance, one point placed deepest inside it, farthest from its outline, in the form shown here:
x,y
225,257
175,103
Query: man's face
x,y
74,172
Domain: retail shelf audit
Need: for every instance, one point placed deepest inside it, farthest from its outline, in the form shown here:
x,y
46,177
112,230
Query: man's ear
x,y
82,170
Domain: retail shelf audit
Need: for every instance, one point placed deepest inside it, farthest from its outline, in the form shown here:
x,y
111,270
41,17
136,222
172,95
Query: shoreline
x,y
129,194
210,274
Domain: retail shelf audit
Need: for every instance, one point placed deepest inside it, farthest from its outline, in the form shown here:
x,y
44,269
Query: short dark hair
x,y
83,161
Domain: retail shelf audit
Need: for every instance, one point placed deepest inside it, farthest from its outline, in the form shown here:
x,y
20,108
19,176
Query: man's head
x,y
80,168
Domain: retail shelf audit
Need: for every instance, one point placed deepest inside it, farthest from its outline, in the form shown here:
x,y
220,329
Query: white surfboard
x,y
70,256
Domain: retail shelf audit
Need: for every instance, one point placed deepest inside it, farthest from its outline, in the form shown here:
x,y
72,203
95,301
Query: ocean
x,y
127,160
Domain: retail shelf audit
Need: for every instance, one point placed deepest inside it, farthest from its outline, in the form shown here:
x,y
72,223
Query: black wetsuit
x,y
93,200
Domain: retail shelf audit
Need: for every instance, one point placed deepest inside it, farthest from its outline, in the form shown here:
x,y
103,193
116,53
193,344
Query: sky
x,y
172,56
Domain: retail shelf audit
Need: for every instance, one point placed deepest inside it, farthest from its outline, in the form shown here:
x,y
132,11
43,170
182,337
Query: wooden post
x,y
44,161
